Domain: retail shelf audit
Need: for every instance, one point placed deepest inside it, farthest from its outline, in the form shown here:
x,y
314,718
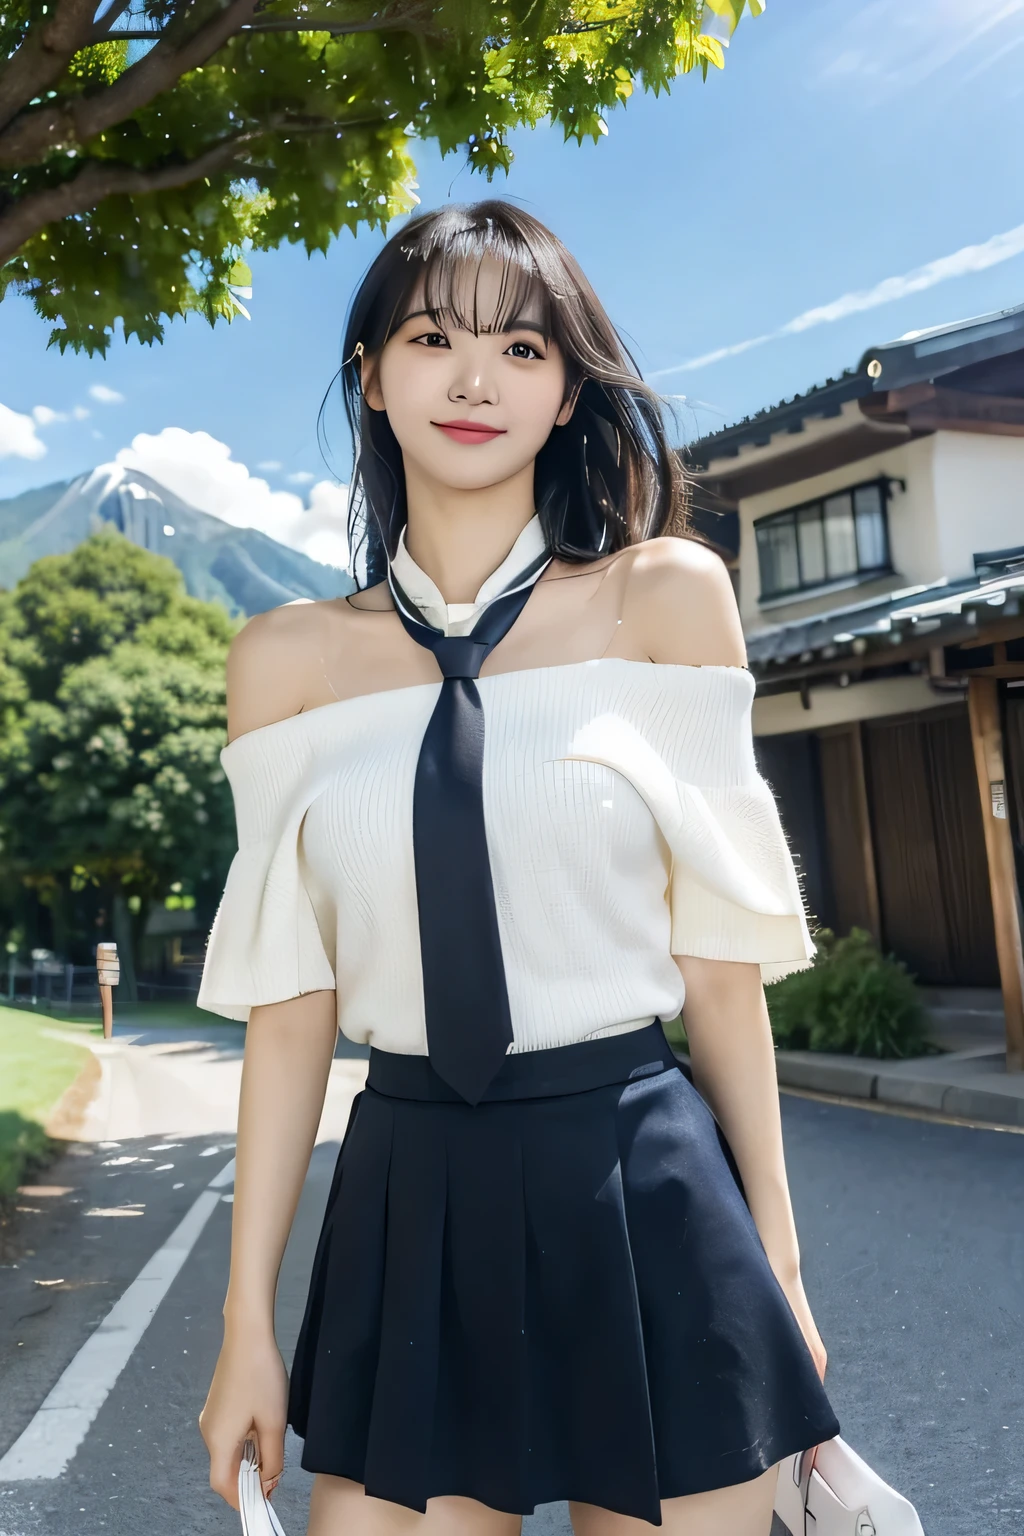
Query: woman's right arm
x,y
288,1051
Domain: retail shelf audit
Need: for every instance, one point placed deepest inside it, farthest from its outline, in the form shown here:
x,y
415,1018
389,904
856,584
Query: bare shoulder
x,y
268,662
681,606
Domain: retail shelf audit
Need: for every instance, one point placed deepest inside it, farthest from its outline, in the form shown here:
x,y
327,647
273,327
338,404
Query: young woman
x,y
498,814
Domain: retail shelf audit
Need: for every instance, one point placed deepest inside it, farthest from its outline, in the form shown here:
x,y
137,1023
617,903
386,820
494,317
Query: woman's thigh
x,y
745,1509
340,1507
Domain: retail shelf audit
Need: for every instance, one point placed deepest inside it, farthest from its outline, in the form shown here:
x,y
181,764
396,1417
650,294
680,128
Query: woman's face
x,y
469,410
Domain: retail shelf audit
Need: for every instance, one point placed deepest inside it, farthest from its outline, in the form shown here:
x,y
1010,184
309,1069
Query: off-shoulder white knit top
x,y
626,823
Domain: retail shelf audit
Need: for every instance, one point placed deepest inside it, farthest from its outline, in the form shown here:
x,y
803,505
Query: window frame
x,y
882,483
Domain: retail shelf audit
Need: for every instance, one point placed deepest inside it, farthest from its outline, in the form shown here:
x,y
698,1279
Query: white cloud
x,y
105,395
321,533
886,47
18,436
200,469
301,477
970,258
44,415
270,465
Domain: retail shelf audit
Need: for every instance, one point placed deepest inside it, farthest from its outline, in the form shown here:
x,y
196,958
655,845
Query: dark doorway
x,y
790,765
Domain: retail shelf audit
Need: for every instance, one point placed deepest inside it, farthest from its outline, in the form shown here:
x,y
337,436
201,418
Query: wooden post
x,y
987,740
108,973
859,786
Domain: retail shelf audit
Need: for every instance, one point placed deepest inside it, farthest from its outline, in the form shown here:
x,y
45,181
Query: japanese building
x,y
880,570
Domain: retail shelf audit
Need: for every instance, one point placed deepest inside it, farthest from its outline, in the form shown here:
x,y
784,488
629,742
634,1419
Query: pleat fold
x,y
587,1356
338,1349
405,1382
483,1372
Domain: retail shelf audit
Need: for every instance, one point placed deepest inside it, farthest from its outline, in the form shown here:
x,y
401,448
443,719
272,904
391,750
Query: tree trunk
x,y
60,922
127,989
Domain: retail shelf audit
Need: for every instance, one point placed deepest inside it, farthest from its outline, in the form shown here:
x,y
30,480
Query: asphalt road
x,y
913,1251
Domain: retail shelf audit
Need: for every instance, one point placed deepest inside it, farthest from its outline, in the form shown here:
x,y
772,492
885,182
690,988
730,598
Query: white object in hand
x,y
259,1518
833,1492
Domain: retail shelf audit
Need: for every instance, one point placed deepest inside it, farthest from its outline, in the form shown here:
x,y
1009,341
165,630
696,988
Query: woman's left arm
x,y
681,608
732,1057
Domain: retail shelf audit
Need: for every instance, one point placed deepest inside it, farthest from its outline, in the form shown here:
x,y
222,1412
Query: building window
x,y
822,541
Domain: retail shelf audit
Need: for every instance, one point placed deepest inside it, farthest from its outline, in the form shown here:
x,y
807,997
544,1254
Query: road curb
x,y
861,1080
826,1076
65,1120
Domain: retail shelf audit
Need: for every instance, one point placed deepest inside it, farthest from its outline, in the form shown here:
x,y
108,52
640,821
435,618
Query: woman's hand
x,y
249,1391
793,1287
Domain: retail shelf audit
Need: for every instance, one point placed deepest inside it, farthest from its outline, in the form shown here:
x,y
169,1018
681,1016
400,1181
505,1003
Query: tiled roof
x,y
894,619
919,357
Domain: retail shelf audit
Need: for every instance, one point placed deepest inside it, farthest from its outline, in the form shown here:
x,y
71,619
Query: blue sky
x,y
852,175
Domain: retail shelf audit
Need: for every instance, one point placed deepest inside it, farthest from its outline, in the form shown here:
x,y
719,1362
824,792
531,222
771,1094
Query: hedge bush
x,y
852,999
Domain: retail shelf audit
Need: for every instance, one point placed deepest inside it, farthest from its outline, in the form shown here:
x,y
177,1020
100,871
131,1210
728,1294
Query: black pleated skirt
x,y
558,1293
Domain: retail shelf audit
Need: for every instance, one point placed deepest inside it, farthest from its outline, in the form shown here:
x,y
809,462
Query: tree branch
x,y
412,18
44,55
100,179
407,23
102,29
71,124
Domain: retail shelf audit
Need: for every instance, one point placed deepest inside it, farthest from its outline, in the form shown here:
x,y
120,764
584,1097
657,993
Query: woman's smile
x,y
469,431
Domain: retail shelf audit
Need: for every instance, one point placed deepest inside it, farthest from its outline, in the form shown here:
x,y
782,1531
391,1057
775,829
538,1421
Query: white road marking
x,y
50,1441
226,1176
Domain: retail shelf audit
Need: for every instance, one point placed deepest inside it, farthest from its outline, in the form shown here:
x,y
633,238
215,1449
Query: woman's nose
x,y
472,386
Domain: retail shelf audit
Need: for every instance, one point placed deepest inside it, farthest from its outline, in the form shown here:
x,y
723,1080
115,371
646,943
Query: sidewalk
x,y
969,1079
156,1081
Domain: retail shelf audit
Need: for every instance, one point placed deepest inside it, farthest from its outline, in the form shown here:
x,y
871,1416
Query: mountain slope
x,y
239,567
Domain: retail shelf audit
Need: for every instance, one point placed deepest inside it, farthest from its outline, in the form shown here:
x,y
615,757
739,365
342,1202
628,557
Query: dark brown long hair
x,y
606,479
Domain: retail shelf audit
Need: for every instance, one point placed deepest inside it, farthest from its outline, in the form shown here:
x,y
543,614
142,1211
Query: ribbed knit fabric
x,y
626,823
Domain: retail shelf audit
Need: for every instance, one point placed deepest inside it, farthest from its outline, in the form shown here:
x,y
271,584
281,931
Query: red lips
x,y
469,431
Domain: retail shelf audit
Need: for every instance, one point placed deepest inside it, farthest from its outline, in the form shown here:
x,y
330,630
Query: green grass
x,y
164,1015
34,1072
127,1016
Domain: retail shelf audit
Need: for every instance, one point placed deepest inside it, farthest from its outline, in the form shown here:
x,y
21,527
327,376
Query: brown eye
x,y
432,339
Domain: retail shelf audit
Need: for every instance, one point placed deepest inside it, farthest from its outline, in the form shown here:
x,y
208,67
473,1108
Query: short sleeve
x,y
733,891
265,945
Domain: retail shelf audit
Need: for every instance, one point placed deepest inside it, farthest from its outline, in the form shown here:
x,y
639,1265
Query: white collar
x,y
459,618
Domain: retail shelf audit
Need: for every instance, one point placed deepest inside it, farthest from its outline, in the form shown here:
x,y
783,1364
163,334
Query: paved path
x,y
913,1243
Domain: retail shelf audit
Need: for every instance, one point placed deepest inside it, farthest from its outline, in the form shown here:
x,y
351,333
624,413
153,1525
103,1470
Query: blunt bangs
x,y
444,279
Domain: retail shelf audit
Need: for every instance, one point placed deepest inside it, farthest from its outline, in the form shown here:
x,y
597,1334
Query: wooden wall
x,y
929,841
884,817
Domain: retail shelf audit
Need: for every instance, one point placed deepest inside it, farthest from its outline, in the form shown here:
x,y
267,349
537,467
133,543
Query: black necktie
x,y
469,1026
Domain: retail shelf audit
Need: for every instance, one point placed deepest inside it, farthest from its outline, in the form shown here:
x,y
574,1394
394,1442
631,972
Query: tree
x,y
112,697
147,145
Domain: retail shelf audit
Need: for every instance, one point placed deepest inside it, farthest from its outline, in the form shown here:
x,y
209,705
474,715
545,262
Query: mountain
x,y
239,567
